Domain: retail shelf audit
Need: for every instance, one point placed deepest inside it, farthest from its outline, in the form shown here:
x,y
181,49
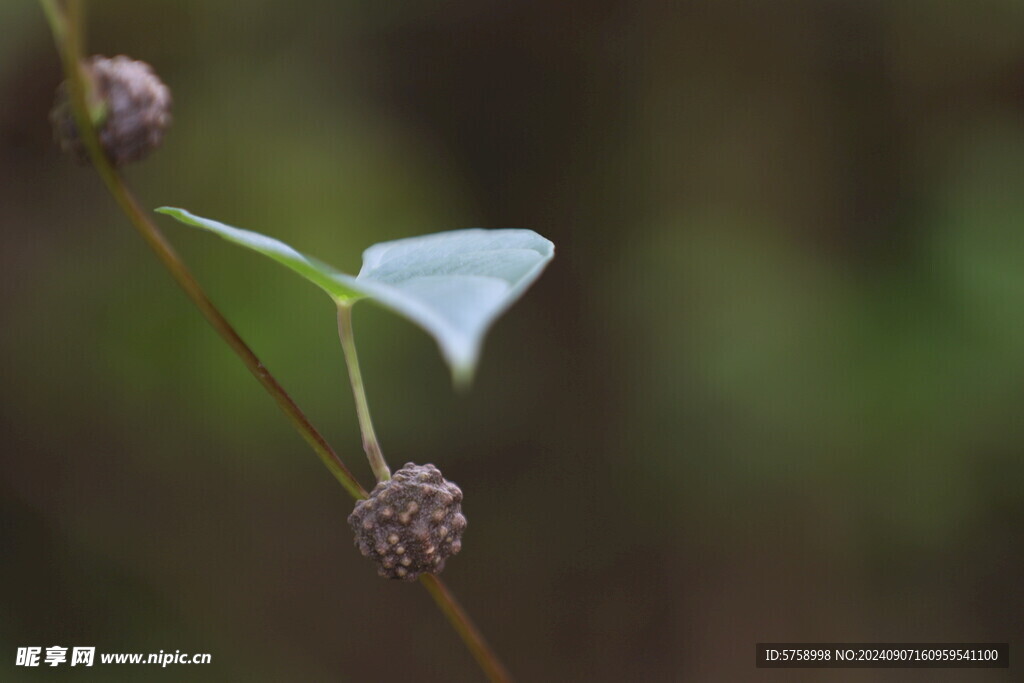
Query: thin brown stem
x,y
466,629
68,35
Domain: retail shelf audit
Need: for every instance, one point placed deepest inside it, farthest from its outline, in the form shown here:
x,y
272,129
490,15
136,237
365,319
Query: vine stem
x,y
471,636
348,346
67,34
66,25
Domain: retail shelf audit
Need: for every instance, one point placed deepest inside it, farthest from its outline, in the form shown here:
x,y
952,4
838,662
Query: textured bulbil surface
x,y
411,523
137,110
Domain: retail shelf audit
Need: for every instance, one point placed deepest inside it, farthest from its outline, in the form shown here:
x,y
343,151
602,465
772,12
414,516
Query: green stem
x,y
348,346
461,622
56,19
67,32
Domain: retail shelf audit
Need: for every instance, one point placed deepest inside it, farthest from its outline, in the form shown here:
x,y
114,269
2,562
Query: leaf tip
x,y
462,362
173,211
462,378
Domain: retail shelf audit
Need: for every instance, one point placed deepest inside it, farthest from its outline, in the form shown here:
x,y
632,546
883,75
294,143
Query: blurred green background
x,y
770,389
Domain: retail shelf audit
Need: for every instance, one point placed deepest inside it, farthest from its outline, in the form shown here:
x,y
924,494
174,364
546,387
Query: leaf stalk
x,y
348,346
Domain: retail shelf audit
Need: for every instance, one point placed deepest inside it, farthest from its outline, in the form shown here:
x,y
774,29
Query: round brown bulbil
x,y
411,524
136,110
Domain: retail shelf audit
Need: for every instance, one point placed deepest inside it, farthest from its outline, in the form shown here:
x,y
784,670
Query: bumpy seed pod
x,y
411,523
136,110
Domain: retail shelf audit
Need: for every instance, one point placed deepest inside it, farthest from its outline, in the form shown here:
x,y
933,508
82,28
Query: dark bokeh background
x,y
770,388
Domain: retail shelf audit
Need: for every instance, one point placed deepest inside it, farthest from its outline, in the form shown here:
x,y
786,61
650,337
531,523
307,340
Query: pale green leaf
x,y
452,284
